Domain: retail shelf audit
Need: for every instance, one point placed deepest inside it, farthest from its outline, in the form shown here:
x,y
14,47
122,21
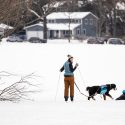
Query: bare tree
x,y
70,7
41,8
14,13
108,13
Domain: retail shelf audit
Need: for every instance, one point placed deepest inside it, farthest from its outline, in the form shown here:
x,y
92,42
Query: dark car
x,y
23,37
94,41
115,41
37,40
14,39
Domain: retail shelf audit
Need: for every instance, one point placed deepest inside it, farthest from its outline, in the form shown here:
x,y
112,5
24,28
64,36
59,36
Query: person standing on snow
x,y
68,78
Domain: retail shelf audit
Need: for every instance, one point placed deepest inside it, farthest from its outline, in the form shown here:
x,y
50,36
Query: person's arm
x,y
71,67
62,69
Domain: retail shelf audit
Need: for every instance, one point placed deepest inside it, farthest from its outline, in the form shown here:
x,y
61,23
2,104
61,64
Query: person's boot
x,y
71,98
66,98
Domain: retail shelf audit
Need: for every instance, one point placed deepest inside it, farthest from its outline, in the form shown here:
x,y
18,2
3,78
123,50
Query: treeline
x,y
19,13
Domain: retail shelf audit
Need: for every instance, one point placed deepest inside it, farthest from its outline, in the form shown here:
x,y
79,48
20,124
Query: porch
x,y
61,31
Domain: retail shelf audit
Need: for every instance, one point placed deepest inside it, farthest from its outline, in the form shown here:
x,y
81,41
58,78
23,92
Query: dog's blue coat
x,y
103,89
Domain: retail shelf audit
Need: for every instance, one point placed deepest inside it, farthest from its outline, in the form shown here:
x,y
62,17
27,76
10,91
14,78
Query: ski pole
x,y
57,86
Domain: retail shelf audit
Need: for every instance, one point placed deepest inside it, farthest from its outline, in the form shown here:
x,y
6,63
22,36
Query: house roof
x,y
67,15
37,24
56,26
4,26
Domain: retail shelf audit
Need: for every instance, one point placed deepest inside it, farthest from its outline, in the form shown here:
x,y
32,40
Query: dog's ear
x,y
113,86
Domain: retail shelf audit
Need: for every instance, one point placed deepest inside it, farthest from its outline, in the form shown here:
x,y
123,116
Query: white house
x,y
61,24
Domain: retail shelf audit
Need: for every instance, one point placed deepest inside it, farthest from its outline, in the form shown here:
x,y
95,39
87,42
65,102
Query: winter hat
x,y
69,56
123,92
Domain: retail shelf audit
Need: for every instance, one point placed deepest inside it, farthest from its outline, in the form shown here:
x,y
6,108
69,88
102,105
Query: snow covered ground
x,y
98,64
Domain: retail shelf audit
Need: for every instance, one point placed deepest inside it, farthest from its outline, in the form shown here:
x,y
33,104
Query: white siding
x,y
38,34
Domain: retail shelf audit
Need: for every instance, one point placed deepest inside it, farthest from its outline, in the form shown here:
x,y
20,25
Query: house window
x,y
76,21
66,32
86,21
91,21
79,21
51,21
72,20
63,32
78,31
84,31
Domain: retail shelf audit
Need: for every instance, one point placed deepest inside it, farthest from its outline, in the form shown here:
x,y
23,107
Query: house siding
x,y
91,29
35,31
76,34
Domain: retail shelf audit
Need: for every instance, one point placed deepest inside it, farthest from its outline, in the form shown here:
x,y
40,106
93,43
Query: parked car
x,y
101,40
14,39
95,41
23,37
115,41
37,40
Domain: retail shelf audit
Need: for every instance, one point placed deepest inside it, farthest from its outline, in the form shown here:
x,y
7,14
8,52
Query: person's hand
x,y
76,65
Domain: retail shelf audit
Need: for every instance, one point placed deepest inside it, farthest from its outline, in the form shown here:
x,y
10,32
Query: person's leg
x,y
66,88
71,88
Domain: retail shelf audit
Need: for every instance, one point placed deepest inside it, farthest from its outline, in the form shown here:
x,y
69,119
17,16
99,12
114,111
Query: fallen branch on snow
x,y
20,89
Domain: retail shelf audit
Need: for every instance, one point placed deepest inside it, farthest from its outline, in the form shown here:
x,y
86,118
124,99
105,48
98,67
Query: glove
x,y
76,64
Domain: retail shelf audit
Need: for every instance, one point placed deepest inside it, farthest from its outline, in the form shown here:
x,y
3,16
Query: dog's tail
x,y
87,88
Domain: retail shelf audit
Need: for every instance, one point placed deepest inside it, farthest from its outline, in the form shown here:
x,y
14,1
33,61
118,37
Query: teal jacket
x,y
68,69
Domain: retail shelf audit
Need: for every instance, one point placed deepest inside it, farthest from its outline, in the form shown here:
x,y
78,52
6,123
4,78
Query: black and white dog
x,y
104,90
